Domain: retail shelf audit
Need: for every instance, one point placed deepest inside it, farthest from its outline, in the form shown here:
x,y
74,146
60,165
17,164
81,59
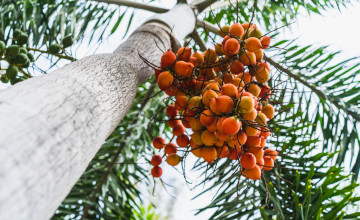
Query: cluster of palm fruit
x,y
221,99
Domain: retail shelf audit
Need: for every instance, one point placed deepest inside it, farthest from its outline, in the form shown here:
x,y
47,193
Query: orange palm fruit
x,y
183,68
224,104
230,90
173,121
254,89
207,118
196,138
194,103
184,53
210,56
208,138
224,30
259,55
222,137
157,72
246,104
170,148
196,150
165,80
250,115
181,103
230,126
232,46
268,163
248,161
271,153
156,160
173,159
171,111
219,124
248,58
268,111
212,127
246,77
237,67
208,95
237,83
197,59
172,90
265,42
235,153
158,143
252,44
265,134
156,171
182,140
265,92
209,154
251,131
196,124
213,107
257,151
168,58
223,152
214,85
178,129
254,173
262,75
227,77
236,29
261,119
262,142
253,141
260,163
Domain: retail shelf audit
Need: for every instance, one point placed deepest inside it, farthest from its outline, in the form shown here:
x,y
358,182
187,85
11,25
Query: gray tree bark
x,y
52,126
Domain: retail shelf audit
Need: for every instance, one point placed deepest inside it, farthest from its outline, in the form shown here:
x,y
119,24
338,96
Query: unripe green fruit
x,y
4,79
23,50
31,57
23,39
13,50
2,47
11,72
54,48
67,41
27,64
21,59
17,34
255,33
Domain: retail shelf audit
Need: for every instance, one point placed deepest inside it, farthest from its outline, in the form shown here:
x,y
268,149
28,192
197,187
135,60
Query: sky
x,y
337,29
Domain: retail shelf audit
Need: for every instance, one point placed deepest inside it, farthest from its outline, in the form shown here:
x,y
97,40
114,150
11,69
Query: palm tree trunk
x,y
52,125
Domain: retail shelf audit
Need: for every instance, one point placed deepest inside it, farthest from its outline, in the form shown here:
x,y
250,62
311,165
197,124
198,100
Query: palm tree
x,y
107,189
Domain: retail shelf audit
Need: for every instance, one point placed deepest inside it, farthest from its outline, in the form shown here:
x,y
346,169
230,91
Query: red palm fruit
x,y
248,161
196,124
156,171
196,150
260,163
208,138
224,104
212,127
227,77
188,115
173,121
268,111
254,173
182,140
246,77
156,160
213,107
265,42
199,57
165,80
262,142
185,123
257,151
259,55
181,103
168,58
208,95
170,148
192,143
209,154
246,104
237,67
171,111
265,92
253,141
248,58
262,75
184,53
236,29
252,44
250,131
230,126
250,115
254,89
207,118
157,72
232,46
268,163
271,153
223,152
235,153
172,90
178,129
219,124
210,56
158,142
173,159
265,134
229,90
196,137
183,68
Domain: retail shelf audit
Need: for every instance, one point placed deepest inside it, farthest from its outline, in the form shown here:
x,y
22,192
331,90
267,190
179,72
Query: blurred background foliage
x,y
317,96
